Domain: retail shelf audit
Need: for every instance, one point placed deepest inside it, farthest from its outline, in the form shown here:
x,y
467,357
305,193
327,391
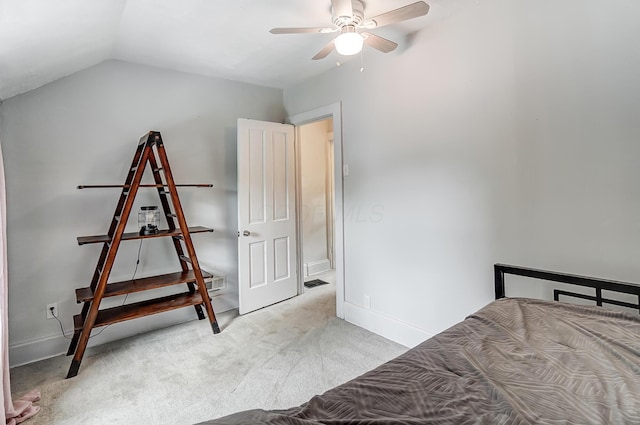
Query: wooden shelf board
x,y
82,240
112,315
142,284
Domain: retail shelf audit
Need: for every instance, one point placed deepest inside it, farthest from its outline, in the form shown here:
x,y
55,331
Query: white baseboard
x,y
54,345
316,267
388,327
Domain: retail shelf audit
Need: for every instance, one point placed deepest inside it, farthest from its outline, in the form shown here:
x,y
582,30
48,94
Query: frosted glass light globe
x,y
349,43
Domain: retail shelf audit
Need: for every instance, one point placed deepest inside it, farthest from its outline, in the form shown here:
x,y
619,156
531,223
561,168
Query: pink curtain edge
x,y
14,411
23,408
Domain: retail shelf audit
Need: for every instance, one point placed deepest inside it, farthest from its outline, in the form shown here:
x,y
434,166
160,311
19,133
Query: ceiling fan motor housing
x,y
356,17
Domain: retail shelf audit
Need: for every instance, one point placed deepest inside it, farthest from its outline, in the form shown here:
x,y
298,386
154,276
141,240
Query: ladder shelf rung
x,y
125,312
83,240
142,284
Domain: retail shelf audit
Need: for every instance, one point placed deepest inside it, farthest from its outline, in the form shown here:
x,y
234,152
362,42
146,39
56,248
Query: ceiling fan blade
x,y
411,11
342,8
302,30
325,51
379,43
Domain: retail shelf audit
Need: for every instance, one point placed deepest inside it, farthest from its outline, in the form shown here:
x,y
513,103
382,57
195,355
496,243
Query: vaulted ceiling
x,y
44,40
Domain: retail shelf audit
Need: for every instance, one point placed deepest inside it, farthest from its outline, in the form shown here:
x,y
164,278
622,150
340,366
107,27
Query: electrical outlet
x,y
52,310
367,301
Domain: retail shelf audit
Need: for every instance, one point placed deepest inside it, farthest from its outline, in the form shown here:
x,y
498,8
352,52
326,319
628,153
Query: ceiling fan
x,y
348,19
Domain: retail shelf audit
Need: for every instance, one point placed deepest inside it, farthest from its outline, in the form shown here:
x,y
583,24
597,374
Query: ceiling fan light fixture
x,y
347,17
349,43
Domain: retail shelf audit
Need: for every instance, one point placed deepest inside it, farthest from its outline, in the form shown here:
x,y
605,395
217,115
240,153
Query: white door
x,y
267,264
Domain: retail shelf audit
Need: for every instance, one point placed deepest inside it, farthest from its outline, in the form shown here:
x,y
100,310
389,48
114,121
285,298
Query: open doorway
x,y
334,113
316,235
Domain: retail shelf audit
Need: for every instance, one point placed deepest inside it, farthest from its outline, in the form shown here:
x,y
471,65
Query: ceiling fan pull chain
x,y
362,60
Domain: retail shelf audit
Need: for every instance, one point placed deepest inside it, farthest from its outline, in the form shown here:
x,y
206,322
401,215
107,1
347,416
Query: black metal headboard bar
x,y
500,270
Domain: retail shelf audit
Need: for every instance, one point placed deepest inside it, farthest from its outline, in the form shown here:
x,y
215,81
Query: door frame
x,y
329,200
333,111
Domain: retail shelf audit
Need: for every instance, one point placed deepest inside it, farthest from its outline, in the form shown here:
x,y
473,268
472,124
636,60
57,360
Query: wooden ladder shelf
x,y
150,151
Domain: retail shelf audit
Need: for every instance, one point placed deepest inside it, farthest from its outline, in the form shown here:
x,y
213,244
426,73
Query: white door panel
x,y
266,214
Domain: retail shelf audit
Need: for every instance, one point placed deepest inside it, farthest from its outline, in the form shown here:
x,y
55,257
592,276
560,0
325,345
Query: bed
x,y
515,361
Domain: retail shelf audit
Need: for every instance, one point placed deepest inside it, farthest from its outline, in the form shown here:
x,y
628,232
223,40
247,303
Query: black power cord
x,y
52,309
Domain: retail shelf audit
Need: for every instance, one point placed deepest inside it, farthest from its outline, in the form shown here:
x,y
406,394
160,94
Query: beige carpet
x,y
276,357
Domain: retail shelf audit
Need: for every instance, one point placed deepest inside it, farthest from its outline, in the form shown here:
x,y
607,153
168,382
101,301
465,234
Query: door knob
x,y
246,233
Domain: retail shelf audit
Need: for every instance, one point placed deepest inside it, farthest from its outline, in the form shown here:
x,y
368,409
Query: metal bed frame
x,y
599,285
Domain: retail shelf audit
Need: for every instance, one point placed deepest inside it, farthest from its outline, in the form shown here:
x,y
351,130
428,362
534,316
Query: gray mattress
x,y
516,361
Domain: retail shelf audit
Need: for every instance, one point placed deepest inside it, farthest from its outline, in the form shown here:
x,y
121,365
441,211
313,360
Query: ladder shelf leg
x,y
175,200
74,343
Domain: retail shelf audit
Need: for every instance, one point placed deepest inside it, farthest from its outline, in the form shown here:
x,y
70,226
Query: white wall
x,y
578,122
84,129
313,161
506,133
